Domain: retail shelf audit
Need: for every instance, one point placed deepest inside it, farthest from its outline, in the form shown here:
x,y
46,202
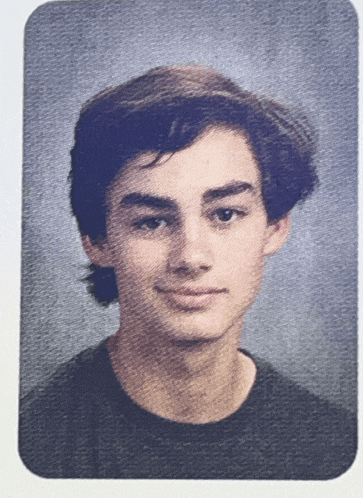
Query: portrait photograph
x,y
189,240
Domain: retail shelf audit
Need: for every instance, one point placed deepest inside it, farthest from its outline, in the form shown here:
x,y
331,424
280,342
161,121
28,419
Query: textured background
x,y
302,52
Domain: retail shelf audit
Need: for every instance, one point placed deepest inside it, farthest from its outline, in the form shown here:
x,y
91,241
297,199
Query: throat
x,y
192,382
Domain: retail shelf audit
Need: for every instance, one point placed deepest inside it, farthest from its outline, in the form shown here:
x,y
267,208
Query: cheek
x,y
138,260
245,249
245,269
243,259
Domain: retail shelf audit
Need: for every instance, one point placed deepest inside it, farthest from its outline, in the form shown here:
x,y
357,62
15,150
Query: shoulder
x,y
59,407
308,429
287,395
69,378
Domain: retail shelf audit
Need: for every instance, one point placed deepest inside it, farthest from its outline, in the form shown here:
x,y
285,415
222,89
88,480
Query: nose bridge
x,y
191,248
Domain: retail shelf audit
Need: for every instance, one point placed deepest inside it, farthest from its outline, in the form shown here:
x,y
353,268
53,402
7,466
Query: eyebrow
x,y
138,199
233,188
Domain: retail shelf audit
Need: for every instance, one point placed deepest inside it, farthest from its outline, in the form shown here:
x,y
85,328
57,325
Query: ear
x,y
99,253
277,234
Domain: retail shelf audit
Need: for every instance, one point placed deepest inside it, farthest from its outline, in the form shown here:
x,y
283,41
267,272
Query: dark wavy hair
x,y
165,110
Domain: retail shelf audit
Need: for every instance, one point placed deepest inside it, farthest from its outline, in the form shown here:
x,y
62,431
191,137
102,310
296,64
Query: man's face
x,y
187,237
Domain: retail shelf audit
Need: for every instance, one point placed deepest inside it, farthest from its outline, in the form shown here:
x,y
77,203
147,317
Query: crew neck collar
x,y
161,428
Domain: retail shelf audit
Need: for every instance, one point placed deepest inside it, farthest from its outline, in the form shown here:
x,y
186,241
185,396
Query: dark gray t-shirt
x,y
82,424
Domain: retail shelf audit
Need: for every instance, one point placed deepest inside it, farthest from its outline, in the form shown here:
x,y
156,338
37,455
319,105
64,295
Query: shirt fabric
x,y
81,424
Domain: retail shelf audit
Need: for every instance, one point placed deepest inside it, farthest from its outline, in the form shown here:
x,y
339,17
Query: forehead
x,y
218,157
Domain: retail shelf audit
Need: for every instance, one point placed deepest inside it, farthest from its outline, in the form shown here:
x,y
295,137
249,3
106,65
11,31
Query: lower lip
x,y
191,302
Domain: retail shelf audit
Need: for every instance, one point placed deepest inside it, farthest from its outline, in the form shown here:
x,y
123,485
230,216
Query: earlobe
x,y
277,235
99,253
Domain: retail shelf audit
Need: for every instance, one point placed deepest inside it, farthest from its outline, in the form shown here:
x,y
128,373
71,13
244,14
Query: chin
x,y
199,330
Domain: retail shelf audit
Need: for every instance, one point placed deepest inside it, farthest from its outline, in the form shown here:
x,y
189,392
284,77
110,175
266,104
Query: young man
x,y
182,185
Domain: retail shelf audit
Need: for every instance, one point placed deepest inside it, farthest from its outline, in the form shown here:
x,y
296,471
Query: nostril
x,y
180,270
185,269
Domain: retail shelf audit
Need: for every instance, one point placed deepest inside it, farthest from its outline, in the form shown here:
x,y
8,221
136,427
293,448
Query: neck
x,y
186,381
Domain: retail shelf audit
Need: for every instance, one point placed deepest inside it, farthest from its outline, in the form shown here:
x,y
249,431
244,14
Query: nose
x,y
190,253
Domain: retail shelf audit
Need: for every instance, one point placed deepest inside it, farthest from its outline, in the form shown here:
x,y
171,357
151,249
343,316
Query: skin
x,y
187,238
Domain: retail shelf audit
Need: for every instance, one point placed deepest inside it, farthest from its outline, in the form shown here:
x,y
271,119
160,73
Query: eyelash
x,y
141,224
235,213
157,222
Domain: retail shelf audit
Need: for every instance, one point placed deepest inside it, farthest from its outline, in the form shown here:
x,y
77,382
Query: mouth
x,y
189,299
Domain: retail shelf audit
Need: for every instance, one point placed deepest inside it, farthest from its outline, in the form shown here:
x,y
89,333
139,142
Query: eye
x,y
150,223
224,214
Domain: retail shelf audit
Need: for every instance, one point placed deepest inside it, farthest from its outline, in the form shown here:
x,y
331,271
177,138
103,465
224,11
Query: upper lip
x,y
188,291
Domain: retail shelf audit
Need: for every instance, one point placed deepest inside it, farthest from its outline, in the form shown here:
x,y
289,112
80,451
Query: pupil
x,y
226,214
153,223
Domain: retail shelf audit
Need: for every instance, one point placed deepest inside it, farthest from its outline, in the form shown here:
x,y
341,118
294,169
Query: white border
x,y
15,479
